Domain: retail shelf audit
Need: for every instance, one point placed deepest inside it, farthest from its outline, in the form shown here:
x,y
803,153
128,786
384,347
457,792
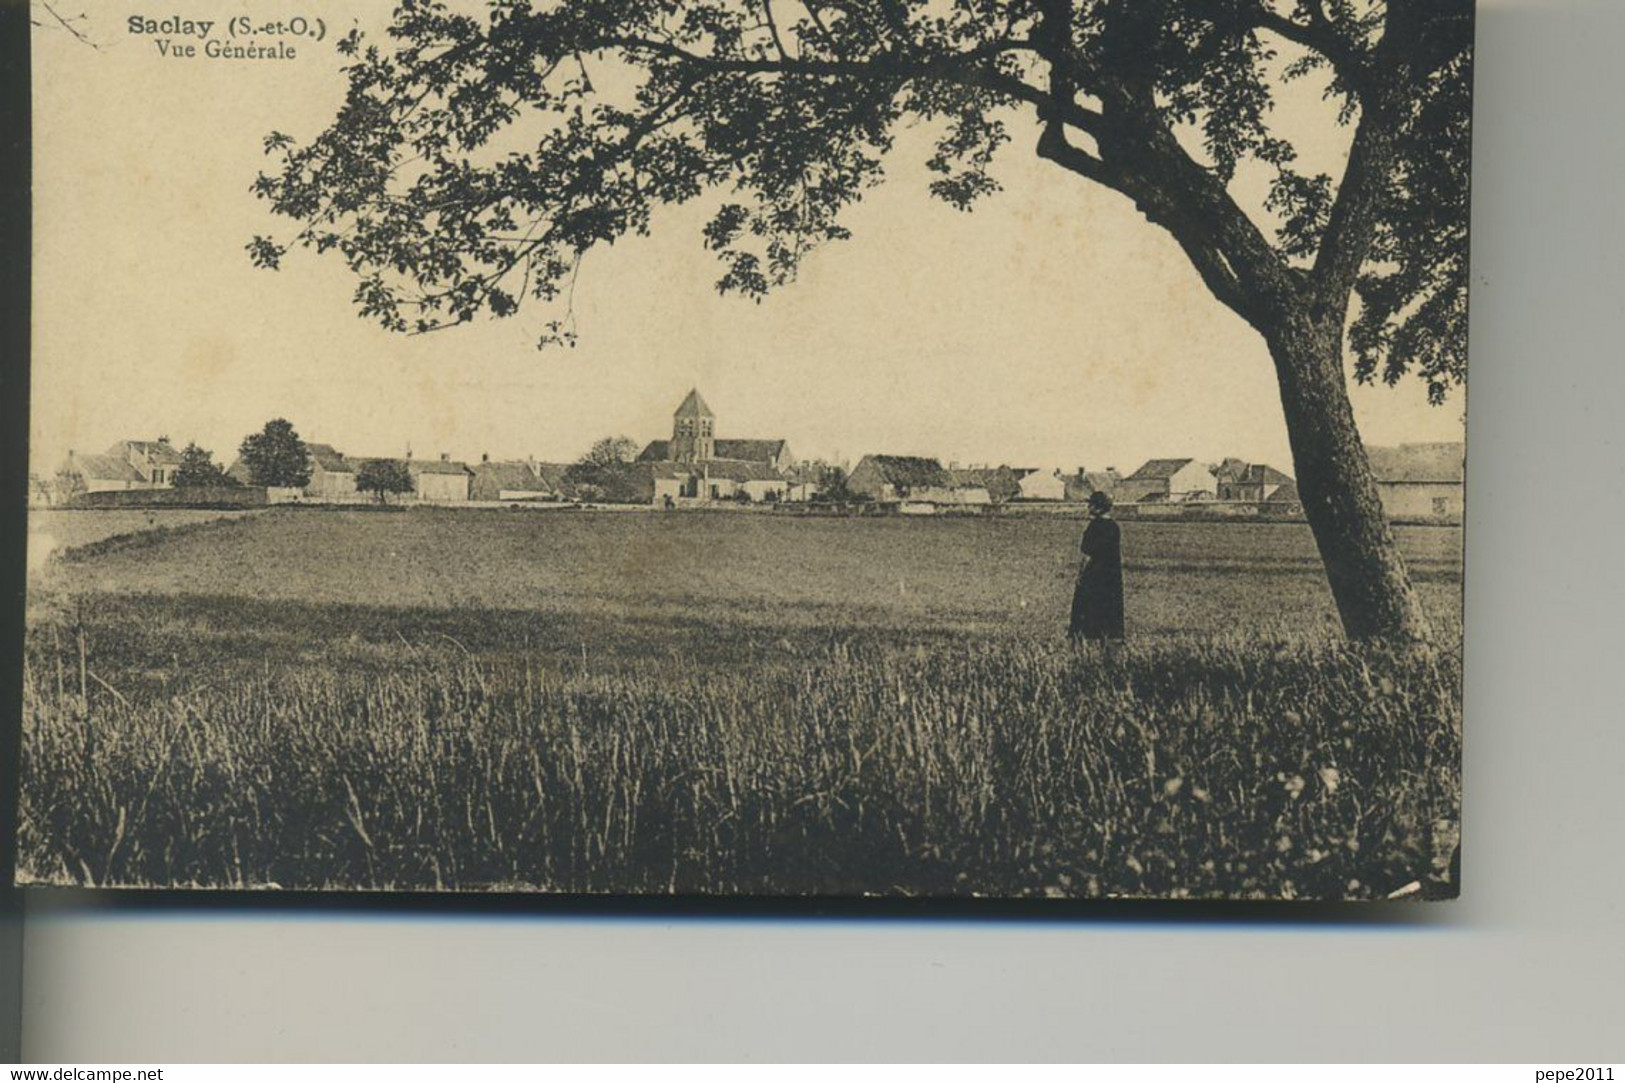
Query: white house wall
x,y
759,490
1193,477
1042,486
1424,501
442,488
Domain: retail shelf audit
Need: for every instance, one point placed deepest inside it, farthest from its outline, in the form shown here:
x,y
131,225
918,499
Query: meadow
x,y
51,531
726,703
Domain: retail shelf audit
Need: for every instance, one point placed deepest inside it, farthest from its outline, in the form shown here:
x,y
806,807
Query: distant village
x,y
696,467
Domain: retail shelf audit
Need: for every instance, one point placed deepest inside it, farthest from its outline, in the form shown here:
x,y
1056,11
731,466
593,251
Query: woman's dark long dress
x,y
1097,602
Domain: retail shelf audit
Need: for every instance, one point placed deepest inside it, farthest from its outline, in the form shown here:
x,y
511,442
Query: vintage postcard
x,y
749,447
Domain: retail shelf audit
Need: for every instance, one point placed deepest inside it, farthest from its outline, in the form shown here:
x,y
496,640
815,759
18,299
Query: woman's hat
x,y
1099,502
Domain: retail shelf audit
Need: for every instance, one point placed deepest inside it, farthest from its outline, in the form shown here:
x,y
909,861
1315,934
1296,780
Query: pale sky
x,y
1050,327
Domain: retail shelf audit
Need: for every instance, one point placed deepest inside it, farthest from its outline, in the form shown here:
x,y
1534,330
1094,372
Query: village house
x,y
999,482
1040,484
1082,484
1228,474
155,460
1284,500
1421,482
332,476
82,473
805,481
887,479
1171,480
439,481
128,464
517,479
1244,481
909,479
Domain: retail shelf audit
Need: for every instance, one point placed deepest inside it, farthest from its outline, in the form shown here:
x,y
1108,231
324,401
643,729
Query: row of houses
x,y
695,466
131,465
443,480
914,479
1421,482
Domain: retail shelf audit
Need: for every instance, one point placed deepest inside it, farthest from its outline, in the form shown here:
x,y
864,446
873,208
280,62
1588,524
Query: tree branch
x,y
1352,222
968,69
1353,219
1054,146
1320,36
773,28
66,24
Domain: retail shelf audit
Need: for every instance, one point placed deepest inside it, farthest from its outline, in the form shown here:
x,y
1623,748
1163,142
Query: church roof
x,y
739,470
732,469
758,451
693,406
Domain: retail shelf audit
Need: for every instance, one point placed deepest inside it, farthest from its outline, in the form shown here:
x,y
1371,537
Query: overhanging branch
x,y
1318,35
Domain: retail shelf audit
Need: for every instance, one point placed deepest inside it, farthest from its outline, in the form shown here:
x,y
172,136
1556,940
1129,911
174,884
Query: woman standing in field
x,y
1097,601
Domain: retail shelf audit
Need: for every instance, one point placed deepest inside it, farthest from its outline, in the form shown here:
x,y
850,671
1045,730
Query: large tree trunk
x,y
1363,565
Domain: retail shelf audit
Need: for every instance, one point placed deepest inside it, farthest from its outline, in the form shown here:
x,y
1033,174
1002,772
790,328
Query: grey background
x,y
1527,966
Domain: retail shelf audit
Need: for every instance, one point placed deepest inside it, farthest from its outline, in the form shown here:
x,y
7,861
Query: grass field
x,y
996,575
52,531
713,702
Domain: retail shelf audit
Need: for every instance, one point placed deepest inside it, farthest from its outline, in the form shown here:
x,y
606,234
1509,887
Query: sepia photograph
x,y
954,449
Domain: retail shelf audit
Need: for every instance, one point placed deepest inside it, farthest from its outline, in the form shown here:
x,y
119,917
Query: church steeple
x,y
692,435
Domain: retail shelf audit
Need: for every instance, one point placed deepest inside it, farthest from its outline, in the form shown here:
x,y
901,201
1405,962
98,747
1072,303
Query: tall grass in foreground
x,y
1202,766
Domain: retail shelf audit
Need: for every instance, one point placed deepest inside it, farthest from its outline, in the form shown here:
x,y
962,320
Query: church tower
x,y
692,437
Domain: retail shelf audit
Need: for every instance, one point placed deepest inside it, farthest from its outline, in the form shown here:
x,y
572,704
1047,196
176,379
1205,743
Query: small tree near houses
x,y
382,477
611,451
276,457
198,470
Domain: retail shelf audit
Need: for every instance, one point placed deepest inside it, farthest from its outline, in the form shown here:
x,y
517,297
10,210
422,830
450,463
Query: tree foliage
x,y
827,479
610,483
275,456
382,477
40,491
611,451
198,470
479,154
66,485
